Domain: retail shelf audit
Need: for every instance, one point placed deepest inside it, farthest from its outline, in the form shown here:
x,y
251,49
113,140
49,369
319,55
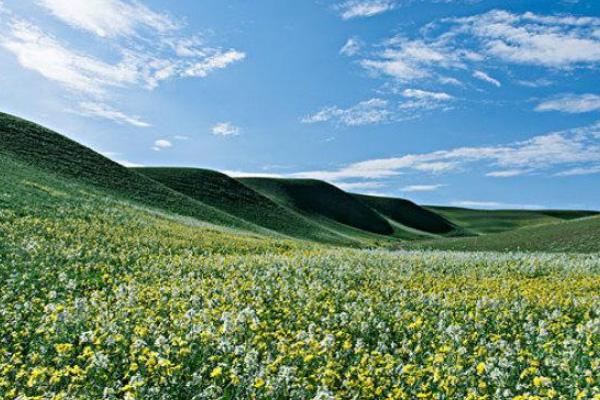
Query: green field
x,y
495,221
187,284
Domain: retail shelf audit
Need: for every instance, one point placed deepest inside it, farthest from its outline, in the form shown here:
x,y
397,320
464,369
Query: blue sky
x,y
484,103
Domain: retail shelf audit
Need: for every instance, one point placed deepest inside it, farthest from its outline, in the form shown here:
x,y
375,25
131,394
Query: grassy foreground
x,y
103,299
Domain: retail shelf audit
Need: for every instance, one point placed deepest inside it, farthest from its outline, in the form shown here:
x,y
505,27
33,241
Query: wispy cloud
x,y
246,174
571,103
571,148
594,169
40,52
225,129
161,144
421,188
370,185
100,110
364,8
451,45
364,113
377,110
147,48
495,205
351,47
508,173
482,76
109,18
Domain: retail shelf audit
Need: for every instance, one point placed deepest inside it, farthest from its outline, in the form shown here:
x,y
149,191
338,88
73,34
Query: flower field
x,y
101,299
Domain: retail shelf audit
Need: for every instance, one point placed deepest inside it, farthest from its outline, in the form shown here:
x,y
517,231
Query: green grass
x,y
49,151
103,298
495,221
321,201
576,236
235,198
409,214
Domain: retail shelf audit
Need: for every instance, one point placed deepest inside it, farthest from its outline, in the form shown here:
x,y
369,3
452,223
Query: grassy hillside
x,y
409,214
49,151
321,201
494,221
235,198
578,236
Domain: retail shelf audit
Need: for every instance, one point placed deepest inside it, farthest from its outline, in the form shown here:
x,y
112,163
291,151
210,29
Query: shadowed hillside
x,y
322,201
409,214
235,198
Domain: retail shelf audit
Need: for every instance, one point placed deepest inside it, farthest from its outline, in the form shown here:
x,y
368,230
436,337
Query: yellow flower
x,y
259,382
480,368
63,348
217,372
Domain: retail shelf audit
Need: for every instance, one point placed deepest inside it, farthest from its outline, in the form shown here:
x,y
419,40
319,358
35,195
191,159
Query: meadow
x,y
105,299
105,295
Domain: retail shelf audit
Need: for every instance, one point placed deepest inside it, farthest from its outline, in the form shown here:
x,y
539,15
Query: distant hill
x,y
235,198
409,214
495,221
321,201
580,235
49,151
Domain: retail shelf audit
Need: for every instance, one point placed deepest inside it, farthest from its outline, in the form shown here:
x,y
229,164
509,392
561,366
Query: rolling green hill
x,y
495,221
297,208
235,198
321,201
409,214
577,236
48,151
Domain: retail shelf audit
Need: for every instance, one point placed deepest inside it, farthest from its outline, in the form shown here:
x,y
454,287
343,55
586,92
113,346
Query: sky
x,y
485,104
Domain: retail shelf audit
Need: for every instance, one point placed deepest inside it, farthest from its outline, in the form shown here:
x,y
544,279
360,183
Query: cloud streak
x,y
571,103
573,148
100,110
364,8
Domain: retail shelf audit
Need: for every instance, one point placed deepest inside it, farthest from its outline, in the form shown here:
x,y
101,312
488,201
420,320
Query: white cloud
x,y
423,94
225,129
108,18
494,205
576,148
407,60
128,164
364,8
476,42
541,82
364,113
421,188
571,103
507,173
219,60
595,169
528,38
352,47
161,144
349,186
181,137
377,110
101,110
146,47
245,174
37,51
486,78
